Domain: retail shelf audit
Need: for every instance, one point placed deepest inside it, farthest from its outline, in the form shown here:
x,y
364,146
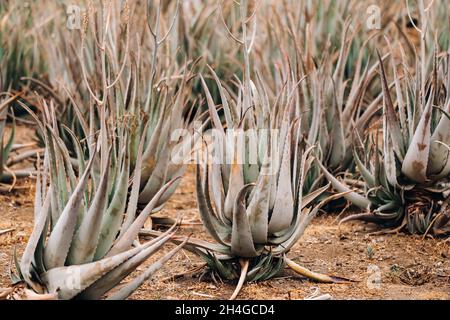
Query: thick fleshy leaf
x,y
114,277
235,185
33,242
60,239
113,217
391,116
283,210
439,155
125,240
130,287
389,157
216,229
85,240
71,280
365,173
258,209
353,197
241,237
416,160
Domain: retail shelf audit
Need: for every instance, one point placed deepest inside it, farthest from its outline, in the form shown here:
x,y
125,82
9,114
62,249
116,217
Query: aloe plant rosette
x,y
84,239
249,189
407,181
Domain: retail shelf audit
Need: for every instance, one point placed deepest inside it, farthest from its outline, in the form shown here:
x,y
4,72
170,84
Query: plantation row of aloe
x,y
285,107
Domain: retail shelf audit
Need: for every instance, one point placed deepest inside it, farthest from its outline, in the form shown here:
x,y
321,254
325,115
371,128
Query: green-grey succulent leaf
x,y
217,229
416,160
149,157
230,115
7,149
130,287
158,175
114,277
134,193
60,239
353,197
211,107
391,116
439,155
113,218
310,197
241,237
389,157
283,210
258,209
33,242
217,189
306,217
71,280
365,173
125,241
85,240
235,185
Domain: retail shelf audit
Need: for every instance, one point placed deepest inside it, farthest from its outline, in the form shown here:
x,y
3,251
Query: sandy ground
x,y
395,266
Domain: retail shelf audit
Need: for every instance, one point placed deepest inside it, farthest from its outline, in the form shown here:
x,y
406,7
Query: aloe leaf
x,y
33,241
353,197
149,159
391,117
283,210
192,244
365,173
7,149
389,157
71,280
113,217
229,114
130,287
241,237
235,185
211,107
125,240
218,193
86,237
114,277
157,177
258,209
60,239
134,194
310,197
206,211
416,160
306,218
439,155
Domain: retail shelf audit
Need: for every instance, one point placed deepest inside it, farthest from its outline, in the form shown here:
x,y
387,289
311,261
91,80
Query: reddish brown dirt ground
x,y
407,266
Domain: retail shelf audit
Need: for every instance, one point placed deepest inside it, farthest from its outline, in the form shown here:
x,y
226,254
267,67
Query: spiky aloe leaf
x,y
129,288
60,239
241,237
439,155
416,159
353,197
85,240
283,211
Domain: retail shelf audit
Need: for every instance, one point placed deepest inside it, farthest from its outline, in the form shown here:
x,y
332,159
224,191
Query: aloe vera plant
x,y
84,239
253,206
250,195
407,181
332,106
133,82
